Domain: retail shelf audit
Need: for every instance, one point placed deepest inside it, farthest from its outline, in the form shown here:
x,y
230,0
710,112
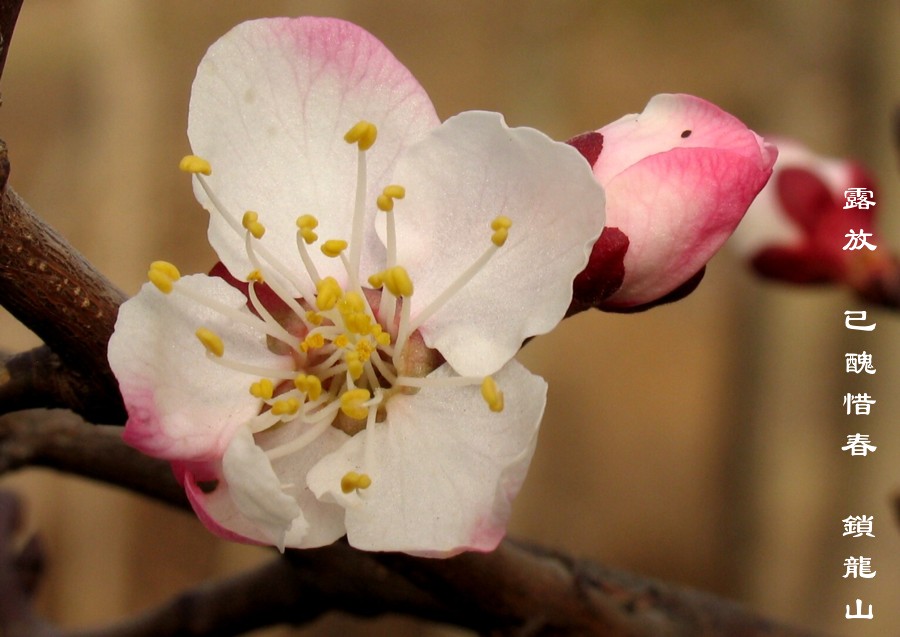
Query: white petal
x,y
257,492
270,105
181,405
458,179
445,468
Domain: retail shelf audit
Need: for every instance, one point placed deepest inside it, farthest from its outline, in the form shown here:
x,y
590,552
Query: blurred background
x,y
698,443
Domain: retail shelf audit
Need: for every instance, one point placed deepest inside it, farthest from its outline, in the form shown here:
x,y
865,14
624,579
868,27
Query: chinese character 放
x,y
853,316
859,567
859,613
858,525
858,445
861,404
858,363
858,241
858,198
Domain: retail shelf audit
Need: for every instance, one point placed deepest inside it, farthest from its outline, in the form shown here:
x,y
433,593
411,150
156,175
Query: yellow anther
x,y
351,303
501,222
309,385
286,407
376,280
397,280
312,341
394,191
256,276
193,164
211,341
314,317
363,134
491,394
333,247
263,388
251,223
364,350
328,293
358,322
383,338
352,403
306,225
355,366
341,341
385,200
500,226
353,481
163,274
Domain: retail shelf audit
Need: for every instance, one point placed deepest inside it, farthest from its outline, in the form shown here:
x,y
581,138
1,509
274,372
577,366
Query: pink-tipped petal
x,y
182,405
269,108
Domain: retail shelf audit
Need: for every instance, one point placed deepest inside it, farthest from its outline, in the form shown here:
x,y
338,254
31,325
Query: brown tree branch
x,y
516,590
9,14
55,292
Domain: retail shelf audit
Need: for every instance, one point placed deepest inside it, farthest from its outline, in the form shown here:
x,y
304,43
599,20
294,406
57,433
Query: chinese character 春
x,y
858,445
861,404
859,567
859,613
858,198
858,240
853,316
858,525
858,363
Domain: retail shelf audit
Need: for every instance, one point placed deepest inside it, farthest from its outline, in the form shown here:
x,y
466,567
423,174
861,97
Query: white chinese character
x,y
859,613
858,525
858,445
858,363
861,404
858,198
858,241
853,316
859,567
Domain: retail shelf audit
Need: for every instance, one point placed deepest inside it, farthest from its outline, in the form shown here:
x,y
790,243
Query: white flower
x,y
370,390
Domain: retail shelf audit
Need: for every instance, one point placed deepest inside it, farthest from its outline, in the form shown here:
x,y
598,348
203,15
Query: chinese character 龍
x,y
861,404
858,241
858,445
858,525
853,316
858,198
859,613
859,567
858,363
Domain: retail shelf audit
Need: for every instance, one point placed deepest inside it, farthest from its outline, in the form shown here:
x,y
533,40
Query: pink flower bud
x,y
678,179
797,228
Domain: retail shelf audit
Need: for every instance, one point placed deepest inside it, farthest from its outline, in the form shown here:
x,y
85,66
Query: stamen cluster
x,y
348,355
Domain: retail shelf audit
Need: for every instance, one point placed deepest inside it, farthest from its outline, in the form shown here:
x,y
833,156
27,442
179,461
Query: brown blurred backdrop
x,y
699,442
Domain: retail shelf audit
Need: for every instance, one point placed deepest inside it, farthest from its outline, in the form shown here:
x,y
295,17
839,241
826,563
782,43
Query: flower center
x,y
352,347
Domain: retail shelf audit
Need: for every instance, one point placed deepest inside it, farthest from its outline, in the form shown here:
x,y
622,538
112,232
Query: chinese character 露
x,y
858,198
853,316
859,613
859,567
858,241
858,525
858,363
858,445
860,403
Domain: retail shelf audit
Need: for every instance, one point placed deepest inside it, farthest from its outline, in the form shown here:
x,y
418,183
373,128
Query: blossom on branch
x,y
678,178
349,368
815,223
